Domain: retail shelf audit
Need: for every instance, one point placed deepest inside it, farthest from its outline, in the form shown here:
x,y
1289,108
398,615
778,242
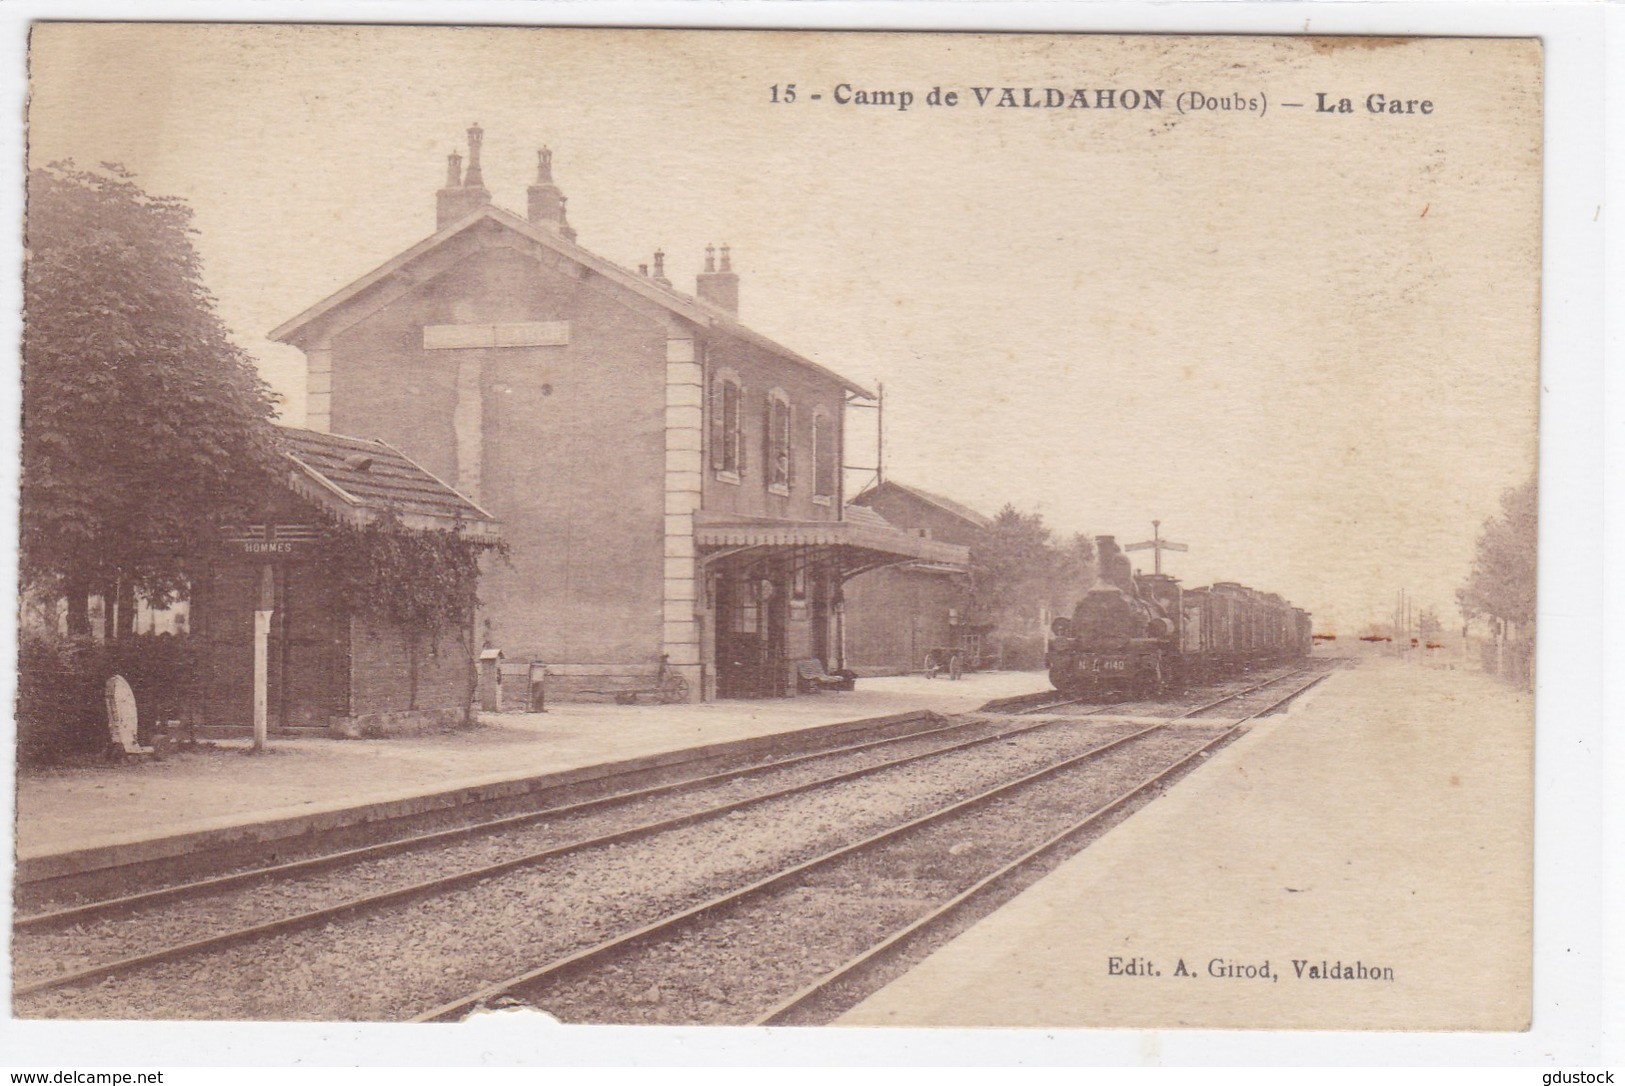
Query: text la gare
x,y
1380,104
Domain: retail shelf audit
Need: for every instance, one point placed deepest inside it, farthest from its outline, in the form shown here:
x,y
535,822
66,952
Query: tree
x,y
1018,567
1501,585
144,427
1078,566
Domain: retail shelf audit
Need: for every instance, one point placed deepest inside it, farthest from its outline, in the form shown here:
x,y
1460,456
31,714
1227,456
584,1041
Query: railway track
x,y
756,908
961,739
62,892
66,916
822,999
187,896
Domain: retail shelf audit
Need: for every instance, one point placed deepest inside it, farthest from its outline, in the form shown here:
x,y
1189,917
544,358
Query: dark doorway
x,y
819,612
751,636
739,638
301,674
775,661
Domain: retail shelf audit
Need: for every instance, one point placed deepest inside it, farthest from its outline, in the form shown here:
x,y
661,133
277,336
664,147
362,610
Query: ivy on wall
x,y
422,584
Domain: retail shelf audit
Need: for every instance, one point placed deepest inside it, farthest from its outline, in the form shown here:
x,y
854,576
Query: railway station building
x,y
668,480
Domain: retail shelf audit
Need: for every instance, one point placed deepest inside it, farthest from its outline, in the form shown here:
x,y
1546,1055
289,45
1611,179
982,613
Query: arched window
x,y
727,426
778,433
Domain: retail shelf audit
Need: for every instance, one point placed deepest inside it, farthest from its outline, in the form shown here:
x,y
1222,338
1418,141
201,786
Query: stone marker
x,y
121,719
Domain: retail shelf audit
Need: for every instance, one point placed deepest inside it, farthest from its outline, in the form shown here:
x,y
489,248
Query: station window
x,y
779,428
824,453
727,426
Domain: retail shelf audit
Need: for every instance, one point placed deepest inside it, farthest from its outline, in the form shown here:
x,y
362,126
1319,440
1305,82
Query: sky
x,y
1306,342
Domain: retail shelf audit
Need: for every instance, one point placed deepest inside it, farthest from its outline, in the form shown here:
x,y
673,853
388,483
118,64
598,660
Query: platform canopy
x,y
862,541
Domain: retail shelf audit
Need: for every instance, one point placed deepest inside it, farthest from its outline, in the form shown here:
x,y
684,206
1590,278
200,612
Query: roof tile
x,y
378,476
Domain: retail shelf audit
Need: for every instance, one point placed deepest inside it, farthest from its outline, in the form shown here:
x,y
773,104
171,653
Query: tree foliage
x,y
1018,566
1501,585
144,426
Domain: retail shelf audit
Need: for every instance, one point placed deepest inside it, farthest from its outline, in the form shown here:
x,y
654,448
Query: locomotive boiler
x,y
1142,634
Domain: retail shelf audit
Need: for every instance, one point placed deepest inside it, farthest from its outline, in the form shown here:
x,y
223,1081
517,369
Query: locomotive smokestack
x,y
1112,564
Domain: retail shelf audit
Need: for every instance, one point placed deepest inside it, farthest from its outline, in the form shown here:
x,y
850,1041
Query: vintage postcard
x,y
720,527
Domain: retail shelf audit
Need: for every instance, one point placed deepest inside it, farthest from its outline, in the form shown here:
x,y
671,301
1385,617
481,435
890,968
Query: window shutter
x,y
823,456
832,427
738,435
769,468
790,446
817,454
718,432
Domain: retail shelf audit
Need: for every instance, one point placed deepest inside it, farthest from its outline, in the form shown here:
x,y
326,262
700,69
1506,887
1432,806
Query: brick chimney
x,y
464,192
719,287
660,269
547,204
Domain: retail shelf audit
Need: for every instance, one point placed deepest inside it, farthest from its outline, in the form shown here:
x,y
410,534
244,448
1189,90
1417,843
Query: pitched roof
x,y
684,305
361,478
947,505
862,514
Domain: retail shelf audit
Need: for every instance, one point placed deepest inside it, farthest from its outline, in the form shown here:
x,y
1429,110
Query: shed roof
x,y
862,514
361,478
947,505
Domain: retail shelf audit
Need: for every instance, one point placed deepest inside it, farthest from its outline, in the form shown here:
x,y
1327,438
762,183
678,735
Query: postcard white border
x,y
1579,972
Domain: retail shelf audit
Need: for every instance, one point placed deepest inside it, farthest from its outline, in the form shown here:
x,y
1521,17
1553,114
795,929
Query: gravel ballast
x,y
455,941
401,960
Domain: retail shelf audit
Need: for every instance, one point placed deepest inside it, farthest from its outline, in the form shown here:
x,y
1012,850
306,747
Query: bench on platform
x,y
667,686
810,676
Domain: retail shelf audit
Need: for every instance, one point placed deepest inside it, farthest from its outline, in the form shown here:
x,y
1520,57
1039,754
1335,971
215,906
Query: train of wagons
x,y
1143,633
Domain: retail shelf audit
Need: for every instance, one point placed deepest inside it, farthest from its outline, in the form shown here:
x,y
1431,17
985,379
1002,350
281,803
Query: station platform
x,y
82,816
1385,822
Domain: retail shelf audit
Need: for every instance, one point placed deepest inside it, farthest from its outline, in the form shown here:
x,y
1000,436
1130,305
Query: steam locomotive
x,y
1141,634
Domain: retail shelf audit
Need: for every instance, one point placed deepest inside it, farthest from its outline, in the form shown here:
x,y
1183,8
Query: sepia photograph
x,y
729,527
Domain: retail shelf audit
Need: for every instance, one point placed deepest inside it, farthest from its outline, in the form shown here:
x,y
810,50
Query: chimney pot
x,y
660,268
710,259
546,206
464,191
719,287
473,179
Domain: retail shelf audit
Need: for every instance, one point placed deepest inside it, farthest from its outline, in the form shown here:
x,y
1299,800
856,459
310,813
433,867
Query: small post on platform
x,y
262,654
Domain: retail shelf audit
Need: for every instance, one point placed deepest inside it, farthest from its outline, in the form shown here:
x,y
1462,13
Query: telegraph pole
x,y
880,432
1156,544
